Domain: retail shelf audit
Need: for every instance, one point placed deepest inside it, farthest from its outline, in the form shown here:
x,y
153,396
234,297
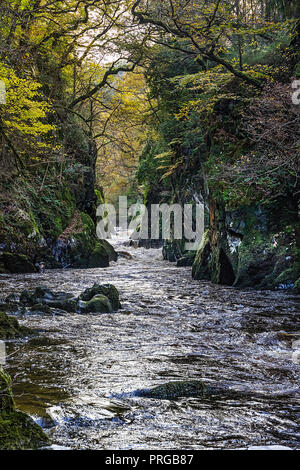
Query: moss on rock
x,y
108,290
7,404
173,390
17,430
10,328
98,304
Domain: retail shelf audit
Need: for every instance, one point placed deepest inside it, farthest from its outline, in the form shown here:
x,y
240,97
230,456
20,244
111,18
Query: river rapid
x,y
79,376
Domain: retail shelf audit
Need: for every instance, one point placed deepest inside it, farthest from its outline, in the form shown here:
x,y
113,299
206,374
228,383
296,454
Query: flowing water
x,y
79,376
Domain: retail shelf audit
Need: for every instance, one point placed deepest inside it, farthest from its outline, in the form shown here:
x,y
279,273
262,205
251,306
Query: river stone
x,y
108,290
66,304
40,308
187,260
10,328
44,296
98,304
173,390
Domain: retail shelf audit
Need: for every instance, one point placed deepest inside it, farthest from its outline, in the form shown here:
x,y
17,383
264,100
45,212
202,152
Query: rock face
x,y
17,430
78,247
17,264
250,247
55,228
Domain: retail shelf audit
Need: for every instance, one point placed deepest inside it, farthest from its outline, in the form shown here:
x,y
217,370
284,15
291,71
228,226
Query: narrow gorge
x,y
138,342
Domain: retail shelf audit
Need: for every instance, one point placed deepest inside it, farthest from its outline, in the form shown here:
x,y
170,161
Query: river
x,y
78,378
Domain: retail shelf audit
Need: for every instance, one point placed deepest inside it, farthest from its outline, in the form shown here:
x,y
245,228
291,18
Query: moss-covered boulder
x,y
112,254
174,390
10,328
17,263
17,430
98,304
78,247
108,290
99,257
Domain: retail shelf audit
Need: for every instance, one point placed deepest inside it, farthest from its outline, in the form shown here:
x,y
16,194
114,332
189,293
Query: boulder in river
x,y
174,390
107,290
44,296
97,299
10,328
98,304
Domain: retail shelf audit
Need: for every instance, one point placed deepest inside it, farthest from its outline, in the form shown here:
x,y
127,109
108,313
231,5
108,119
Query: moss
x,y
88,223
297,286
10,328
99,257
19,432
297,70
107,290
7,404
98,304
113,255
289,275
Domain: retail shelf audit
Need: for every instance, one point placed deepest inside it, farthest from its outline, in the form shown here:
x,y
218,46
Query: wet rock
x,y
107,290
187,260
10,328
12,298
26,298
43,292
98,304
17,264
40,308
125,254
61,303
173,250
17,430
42,296
78,247
173,390
112,254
